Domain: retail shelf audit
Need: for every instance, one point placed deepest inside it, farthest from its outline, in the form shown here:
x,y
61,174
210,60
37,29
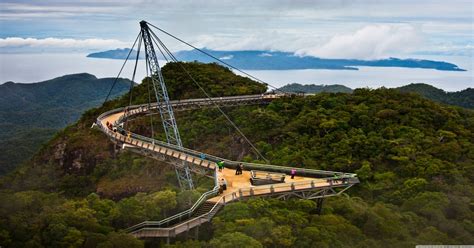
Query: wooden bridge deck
x,y
241,183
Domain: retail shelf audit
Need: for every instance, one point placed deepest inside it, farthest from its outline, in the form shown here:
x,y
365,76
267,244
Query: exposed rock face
x,y
76,162
59,152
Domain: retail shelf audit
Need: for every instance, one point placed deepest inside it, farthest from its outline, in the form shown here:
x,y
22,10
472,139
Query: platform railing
x,y
247,166
240,194
186,214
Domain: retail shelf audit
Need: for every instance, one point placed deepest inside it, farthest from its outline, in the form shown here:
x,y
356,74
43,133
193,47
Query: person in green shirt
x,y
220,165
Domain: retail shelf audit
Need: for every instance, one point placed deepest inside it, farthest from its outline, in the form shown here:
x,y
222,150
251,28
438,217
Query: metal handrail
x,y
187,213
230,162
251,191
246,165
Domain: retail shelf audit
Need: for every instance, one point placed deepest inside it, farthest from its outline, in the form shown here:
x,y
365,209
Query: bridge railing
x,y
136,109
247,166
228,163
249,192
179,216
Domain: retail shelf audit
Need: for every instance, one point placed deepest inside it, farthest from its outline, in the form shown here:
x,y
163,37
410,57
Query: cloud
x,y
369,42
227,57
265,55
449,50
273,41
18,42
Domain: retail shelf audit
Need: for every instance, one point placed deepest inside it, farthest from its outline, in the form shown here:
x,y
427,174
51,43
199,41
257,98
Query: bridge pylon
x,y
166,110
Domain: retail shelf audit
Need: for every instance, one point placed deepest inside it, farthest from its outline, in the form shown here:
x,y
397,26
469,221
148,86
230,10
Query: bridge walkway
x,y
308,183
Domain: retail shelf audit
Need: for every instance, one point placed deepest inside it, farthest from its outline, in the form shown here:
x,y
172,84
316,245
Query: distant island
x,y
271,60
115,54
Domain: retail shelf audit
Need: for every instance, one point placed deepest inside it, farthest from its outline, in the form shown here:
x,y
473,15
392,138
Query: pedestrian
x,y
223,184
203,156
129,135
220,165
221,190
336,178
293,173
238,170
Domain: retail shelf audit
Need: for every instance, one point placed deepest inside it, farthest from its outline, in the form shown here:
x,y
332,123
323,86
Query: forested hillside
x,y
31,113
463,98
414,157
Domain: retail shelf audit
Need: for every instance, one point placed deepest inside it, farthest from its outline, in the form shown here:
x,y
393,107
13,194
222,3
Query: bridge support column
x,y
319,205
115,149
196,233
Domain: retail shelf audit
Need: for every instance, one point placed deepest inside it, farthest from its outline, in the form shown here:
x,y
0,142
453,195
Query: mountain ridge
x,y
38,110
463,98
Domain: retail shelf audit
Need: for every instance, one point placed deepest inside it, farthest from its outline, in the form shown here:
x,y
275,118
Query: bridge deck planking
x,y
236,182
156,148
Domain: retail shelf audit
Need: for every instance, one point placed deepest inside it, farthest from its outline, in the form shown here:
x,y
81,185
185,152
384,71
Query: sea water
x,y
30,68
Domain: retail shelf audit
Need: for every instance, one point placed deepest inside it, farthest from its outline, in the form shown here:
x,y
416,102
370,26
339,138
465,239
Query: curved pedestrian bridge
x,y
307,183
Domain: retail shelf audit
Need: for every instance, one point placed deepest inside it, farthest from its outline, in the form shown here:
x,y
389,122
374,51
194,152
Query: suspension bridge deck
x,y
308,184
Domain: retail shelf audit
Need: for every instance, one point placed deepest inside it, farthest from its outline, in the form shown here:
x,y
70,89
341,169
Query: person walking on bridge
x,y
220,165
238,170
293,173
223,184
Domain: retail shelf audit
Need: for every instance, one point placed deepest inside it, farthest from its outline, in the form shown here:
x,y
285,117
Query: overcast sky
x,y
363,29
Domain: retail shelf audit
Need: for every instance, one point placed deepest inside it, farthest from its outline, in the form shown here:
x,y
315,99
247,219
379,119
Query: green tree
x,y
234,240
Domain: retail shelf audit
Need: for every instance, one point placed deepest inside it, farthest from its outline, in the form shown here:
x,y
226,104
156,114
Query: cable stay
x,y
153,71
258,153
215,58
121,69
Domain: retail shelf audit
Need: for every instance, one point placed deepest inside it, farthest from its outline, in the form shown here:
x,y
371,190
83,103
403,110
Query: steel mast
x,y
166,111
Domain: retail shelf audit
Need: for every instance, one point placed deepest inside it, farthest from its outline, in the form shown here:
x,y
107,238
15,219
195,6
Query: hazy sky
x,y
334,28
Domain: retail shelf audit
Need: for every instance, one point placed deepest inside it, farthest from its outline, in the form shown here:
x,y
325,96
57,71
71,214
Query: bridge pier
x,y
319,205
196,233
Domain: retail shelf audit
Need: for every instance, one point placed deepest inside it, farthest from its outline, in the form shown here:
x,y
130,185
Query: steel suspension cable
x,y
120,72
215,58
161,51
133,75
208,97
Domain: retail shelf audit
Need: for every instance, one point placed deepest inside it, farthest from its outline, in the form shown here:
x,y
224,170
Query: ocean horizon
x,y
32,68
